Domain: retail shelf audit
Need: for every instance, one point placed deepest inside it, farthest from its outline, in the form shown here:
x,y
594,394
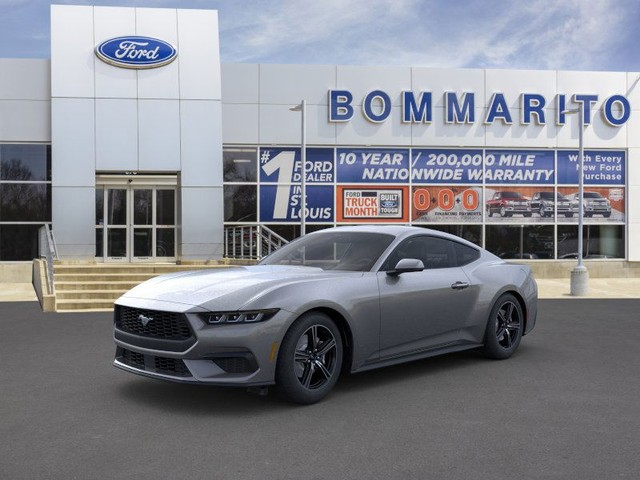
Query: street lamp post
x,y
580,274
302,107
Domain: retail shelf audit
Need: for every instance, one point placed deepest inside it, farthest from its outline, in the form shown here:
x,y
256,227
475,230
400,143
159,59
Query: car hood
x,y
223,288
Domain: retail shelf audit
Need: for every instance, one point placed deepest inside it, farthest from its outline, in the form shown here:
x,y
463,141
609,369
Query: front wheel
x,y
504,328
309,360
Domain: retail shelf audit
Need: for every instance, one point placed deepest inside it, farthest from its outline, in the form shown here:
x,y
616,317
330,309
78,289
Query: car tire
x,y
489,212
309,360
504,328
606,215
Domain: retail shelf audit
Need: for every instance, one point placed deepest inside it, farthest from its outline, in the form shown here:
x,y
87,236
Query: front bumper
x,y
518,209
226,355
597,209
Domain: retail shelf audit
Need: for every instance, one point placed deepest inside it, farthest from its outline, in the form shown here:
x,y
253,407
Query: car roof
x,y
399,231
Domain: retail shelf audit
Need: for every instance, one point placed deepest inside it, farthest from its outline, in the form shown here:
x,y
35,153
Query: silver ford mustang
x,y
341,299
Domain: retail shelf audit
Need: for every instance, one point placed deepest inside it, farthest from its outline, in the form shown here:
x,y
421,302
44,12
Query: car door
x,y
427,309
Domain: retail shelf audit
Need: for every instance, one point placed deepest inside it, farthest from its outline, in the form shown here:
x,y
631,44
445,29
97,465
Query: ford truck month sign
x,y
136,52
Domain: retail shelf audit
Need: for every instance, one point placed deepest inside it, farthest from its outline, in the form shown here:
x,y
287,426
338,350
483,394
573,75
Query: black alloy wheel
x,y
309,360
504,328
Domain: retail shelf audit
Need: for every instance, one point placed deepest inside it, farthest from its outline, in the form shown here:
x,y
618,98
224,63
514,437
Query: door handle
x,y
460,285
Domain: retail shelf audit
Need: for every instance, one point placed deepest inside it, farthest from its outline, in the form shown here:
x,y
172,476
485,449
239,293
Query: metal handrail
x,y
47,249
251,242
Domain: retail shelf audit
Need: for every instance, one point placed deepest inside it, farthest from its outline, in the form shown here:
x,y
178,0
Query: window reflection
x,y
165,207
239,164
471,233
25,202
240,203
26,163
520,241
18,242
599,241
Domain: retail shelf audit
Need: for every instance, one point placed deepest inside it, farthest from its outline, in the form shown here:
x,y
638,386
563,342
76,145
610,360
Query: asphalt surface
x,y
566,406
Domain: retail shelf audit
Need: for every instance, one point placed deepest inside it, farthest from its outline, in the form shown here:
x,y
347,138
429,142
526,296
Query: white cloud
x,y
548,34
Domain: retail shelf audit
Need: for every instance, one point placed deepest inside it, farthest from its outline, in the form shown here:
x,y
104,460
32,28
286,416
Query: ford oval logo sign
x,y
136,52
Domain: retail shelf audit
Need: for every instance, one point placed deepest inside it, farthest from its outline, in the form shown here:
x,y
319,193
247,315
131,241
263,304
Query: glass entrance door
x,y
135,223
116,224
142,225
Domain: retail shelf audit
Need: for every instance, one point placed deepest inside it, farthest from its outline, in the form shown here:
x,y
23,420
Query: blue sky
x,y
532,34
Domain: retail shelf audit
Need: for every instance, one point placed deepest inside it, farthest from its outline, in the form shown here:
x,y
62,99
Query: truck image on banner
x,y
372,204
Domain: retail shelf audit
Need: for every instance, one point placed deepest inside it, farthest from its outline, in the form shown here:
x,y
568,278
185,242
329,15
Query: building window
x,y
25,199
482,195
240,203
520,241
599,241
239,165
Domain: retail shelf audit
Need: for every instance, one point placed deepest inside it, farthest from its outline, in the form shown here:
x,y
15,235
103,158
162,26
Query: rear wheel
x,y
504,328
309,360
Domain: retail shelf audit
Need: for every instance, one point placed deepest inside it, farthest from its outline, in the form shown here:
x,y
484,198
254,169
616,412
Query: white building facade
x,y
151,164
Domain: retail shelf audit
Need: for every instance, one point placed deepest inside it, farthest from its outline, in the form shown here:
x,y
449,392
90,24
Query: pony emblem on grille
x,y
144,320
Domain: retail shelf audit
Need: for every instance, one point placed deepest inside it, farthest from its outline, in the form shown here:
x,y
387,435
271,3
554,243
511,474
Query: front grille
x,y
165,325
234,364
133,359
171,366
174,367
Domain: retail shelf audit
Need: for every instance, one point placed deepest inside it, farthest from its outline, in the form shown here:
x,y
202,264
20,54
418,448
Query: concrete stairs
x,y
94,287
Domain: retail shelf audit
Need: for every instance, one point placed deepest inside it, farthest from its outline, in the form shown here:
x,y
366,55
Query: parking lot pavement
x,y
564,407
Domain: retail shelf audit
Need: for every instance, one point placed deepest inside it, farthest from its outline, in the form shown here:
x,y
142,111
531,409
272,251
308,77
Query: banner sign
x,y
366,165
430,166
600,204
519,167
601,167
372,204
281,203
283,165
451,203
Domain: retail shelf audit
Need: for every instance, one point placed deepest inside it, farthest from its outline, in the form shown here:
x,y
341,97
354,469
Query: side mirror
x,y
407,265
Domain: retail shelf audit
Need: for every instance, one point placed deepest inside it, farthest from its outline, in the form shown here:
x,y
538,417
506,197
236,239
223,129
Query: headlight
x,y
250,316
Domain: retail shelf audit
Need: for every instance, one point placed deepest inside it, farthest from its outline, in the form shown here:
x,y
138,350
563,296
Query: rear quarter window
x,y
465,254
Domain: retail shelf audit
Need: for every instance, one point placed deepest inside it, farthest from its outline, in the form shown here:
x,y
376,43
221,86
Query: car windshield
x,y
334,250
547,195
511,195
592,195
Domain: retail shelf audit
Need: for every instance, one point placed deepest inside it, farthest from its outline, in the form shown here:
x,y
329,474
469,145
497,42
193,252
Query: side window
x,y
465,254
433,251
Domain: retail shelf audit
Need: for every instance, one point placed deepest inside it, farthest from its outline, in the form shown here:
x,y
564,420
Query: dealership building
x,y
134,144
